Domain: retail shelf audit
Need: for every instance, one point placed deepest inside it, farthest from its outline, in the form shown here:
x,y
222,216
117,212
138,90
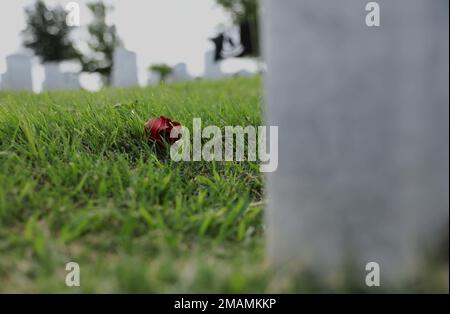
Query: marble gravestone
x,y
124,70
18,73
57,80
52,79
363,172
180,73
70,81
212,68
153,78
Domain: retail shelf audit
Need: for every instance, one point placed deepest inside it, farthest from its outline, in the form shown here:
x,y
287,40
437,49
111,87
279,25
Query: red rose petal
x,y
160,129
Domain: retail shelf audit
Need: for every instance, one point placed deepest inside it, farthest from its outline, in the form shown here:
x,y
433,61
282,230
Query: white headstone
x,y
212,68
363,173
124,71
52,79
153,78
57,80
70,81
18,73
179,73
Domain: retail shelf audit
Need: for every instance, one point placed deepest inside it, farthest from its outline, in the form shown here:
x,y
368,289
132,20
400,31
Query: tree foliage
x,y
240,10
244,11
47,33
102,43
162,69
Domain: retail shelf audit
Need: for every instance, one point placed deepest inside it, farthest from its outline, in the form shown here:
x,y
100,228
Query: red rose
x,y
159,130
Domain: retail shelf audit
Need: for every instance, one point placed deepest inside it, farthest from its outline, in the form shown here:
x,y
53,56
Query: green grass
x,y
80,182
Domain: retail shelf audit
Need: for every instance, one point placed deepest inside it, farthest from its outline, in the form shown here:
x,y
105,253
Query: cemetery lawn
x,y
80,182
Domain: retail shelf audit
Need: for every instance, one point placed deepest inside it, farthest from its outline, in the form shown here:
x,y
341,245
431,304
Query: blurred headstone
x,y
180,73
212,68
124,71
57,80
70,81
52,79
18,73
153,78
363,173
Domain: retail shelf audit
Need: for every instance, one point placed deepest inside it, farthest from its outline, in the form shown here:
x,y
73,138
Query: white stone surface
x,y
153,78
363,113
70,81
52,74
57,80
212,68
18,73
179,73
124,71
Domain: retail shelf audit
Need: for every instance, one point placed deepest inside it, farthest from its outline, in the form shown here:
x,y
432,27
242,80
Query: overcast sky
x,y
169,31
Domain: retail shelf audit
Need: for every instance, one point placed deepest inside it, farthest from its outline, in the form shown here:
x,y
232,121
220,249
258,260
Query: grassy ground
x,y
79,182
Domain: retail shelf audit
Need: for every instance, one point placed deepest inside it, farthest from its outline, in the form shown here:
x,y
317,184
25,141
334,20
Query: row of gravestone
x,y
124,73
18,75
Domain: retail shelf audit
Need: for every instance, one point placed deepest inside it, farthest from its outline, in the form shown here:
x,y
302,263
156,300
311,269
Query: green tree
x,y
240,10
47,33
162,69
102,43
244,11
